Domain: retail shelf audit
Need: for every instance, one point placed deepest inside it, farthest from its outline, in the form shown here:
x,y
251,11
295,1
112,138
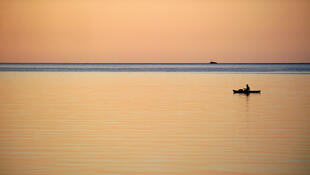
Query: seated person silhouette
x,y
247,88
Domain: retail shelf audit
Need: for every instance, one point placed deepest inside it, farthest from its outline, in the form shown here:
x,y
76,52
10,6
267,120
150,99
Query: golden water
x,y
153,123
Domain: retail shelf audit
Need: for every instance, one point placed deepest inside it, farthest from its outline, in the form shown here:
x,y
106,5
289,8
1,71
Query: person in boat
x,y
247,88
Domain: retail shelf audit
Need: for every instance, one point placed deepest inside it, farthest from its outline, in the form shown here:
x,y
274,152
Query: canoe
x,y
241,91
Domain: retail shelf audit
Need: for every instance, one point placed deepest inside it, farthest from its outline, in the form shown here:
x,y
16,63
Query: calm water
x,y
136,123
97,67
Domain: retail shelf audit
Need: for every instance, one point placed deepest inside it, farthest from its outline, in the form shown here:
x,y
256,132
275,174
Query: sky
x,y
152,31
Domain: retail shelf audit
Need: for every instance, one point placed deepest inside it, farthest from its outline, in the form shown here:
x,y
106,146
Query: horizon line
x,y
153,63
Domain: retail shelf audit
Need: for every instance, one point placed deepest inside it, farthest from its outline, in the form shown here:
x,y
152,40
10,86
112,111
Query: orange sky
x,y
154,30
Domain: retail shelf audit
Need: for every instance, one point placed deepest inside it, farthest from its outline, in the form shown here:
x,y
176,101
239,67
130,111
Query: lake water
x,y
159,67
157,123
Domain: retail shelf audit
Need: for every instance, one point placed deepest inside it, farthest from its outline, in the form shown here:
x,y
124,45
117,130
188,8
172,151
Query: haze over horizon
x,y
155,31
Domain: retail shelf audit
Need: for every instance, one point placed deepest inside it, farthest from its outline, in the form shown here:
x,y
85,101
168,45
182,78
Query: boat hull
x,y
245,92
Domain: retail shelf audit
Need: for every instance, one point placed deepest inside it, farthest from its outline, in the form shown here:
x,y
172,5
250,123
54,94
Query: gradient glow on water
x,y
76,123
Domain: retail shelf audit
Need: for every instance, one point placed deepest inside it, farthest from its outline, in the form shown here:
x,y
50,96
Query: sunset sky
x,y
154,30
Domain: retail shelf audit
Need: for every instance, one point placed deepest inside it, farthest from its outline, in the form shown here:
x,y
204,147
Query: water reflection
x,y
152,123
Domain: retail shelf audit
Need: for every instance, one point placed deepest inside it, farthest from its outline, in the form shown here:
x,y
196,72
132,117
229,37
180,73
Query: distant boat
x,y
213,62
242,91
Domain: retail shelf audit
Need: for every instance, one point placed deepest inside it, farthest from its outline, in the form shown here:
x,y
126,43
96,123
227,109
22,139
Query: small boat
x,y
213,62
242,91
